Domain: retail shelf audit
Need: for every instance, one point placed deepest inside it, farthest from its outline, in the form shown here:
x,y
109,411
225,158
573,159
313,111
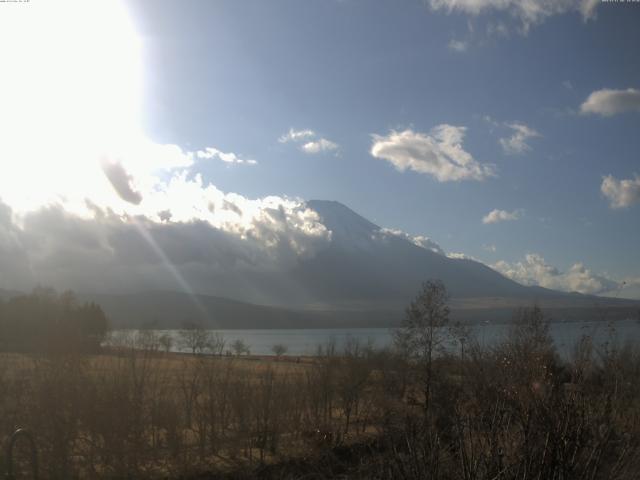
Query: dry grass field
x,y
145,413
514,411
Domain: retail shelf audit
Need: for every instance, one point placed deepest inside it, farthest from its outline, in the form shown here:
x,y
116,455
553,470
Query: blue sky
x,y
505,131
239,75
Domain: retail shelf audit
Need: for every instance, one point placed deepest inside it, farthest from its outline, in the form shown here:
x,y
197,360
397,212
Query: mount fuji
x,y
364,277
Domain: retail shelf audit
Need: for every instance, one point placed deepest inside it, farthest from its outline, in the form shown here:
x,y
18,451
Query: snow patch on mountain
x,y
352,230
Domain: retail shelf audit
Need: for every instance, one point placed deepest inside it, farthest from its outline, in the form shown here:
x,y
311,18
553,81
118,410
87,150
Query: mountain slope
x,y
167,310
365,263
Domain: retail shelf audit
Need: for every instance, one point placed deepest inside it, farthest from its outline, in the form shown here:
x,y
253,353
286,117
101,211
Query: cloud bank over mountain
x,y
534,270
114,253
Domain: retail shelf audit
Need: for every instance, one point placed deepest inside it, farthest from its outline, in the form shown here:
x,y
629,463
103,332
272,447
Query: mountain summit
x,y
347,227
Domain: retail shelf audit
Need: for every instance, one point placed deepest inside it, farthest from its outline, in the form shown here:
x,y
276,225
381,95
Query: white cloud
x,y
438,153
621,193
490,248
308,141
458,45
427,243
418,240
517,142
497,29
211,152
608,102
529,12
317,146
534,270
462,256
495,216
296,135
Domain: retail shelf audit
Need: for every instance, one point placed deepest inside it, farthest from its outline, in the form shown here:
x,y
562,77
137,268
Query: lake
x,y
306,341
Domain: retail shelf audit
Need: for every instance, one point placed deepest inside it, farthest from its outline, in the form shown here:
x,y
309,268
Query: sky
x,y
504,131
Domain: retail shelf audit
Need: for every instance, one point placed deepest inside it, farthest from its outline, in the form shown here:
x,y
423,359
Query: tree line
x,y
47,321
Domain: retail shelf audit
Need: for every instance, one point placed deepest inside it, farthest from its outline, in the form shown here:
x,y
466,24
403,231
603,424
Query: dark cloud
x,y
227,205
165,215
121,181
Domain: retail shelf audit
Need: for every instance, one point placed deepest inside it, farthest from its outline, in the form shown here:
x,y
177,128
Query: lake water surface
x,y
306,341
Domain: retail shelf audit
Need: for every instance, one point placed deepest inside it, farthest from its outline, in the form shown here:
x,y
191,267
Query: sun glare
x,y
70,94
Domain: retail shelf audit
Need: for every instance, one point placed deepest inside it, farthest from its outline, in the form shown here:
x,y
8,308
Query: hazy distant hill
x,y
172,309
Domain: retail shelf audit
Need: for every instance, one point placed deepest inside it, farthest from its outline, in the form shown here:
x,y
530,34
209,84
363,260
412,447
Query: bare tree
x,y
423,331
239,347
217,343
147,340
166,342
195,337
352,377
279,349
528,353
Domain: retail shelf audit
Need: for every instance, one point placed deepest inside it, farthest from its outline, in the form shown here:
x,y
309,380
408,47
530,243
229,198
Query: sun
x,y
70,93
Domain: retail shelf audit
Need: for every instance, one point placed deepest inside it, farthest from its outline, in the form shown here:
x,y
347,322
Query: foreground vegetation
x,y
512,411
